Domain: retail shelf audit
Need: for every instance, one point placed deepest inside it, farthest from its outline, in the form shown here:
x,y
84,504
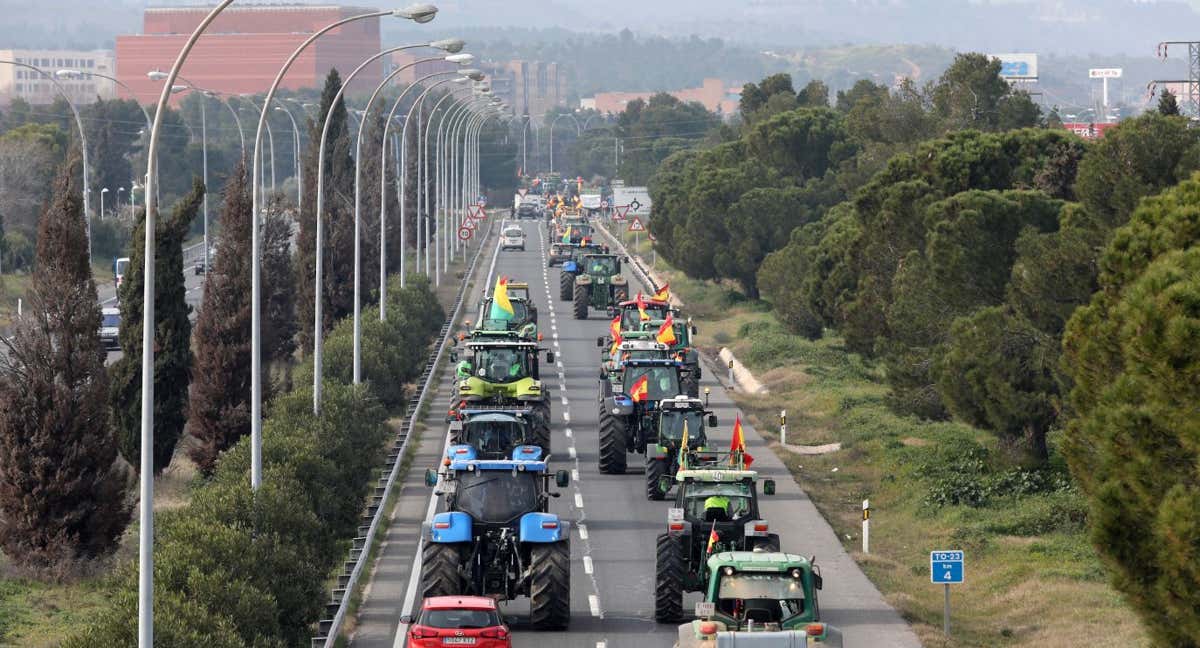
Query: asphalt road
x,y
614,525
107,293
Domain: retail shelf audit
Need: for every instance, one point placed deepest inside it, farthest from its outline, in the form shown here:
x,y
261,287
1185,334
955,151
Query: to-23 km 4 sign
x,y
946,567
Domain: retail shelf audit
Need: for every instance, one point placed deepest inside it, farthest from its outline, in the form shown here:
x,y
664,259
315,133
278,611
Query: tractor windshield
x,y
696,494
662,382
493,437
497,496
601,266
631,320
501,364
672,426
761,597
519,316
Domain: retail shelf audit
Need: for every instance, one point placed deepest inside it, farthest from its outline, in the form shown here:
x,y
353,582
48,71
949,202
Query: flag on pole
x,y
683,447
663,294
641,389
738,444
502,308
641,304
666,332
712,539
567,235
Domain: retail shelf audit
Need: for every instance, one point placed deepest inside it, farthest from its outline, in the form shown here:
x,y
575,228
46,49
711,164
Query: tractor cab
x,y
523,319
631,318
670,451
500,369
598,283
683,350
630,350
494,434
773,595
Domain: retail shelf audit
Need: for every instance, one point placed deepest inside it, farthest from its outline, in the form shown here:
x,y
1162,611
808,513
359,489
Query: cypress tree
x,y
61,498
173,354
1167,104
279,289
219,407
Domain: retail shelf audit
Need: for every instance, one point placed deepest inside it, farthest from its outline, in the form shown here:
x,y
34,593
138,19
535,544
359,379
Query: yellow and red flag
x,y
738,444
666,332
567,235
614,329
663,294
641,304
712,539
641,389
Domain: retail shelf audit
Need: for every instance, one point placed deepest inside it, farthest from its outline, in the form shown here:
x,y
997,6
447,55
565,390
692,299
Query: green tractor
x,y
684,349
523,321
571,267
629,398
667,456
599,284
501,369
709,501
610,362
756,598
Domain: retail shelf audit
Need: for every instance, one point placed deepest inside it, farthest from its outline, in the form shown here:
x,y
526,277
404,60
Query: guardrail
x,y
329,629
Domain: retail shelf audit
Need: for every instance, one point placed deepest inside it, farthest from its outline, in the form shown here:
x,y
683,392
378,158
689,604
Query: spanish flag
x,y
614,329
666,332
663,294
502,308
641,389
738,444
567,235
712,539
641,304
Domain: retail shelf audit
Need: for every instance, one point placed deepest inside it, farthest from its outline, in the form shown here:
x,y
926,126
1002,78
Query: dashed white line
x,y
567,417
601,644
582,528
578,500
575,474
568,432
587,565
565,402
571,452
594,603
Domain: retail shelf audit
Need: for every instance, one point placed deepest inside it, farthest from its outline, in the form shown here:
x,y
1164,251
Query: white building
x,y
17,81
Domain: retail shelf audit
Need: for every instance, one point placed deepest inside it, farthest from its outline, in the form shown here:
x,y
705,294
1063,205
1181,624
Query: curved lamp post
x,y
552,123
295,153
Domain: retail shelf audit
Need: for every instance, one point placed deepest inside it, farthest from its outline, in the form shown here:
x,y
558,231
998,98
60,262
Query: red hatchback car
x,y
458,621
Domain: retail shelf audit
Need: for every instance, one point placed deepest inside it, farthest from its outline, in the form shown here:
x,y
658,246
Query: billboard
x,y
1018,67
1105,73
1088,130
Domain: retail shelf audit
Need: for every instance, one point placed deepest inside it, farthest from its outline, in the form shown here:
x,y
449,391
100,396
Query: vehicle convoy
x,y
497,537
669,453
642,309
754,598
462,620
716,510
501,369
598,284
628,401
568,258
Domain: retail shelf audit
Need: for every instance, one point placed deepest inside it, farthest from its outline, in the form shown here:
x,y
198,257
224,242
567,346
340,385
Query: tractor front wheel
x,y
442,574
550,586
581,302
668,579
612,444
656,469
566,285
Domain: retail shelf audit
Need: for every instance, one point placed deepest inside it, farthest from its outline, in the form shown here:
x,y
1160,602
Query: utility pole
x,y
1190,96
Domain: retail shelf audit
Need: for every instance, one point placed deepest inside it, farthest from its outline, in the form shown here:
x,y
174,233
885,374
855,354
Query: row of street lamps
x,y
457,167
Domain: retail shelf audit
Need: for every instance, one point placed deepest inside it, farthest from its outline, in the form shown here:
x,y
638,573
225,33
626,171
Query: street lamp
x,y
146,518
552,123
419,13
295,154
451,45
120,190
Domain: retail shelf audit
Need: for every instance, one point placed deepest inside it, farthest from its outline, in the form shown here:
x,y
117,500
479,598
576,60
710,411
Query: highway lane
x,y
106,292
612,579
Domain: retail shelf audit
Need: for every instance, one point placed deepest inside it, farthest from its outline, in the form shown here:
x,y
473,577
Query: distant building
x,y
242,49
529,87
423,69
16,81
713,94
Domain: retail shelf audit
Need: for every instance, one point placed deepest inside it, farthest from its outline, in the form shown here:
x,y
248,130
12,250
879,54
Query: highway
x,y
614,525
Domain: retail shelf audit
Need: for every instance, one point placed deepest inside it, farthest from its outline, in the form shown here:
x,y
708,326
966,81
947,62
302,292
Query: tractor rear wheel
x,y
619,295
550,586
541,434
441,574
612,444
581,302
668,579
566,285
655,469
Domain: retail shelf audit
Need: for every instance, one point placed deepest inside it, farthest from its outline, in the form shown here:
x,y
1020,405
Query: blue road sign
x,y
946,567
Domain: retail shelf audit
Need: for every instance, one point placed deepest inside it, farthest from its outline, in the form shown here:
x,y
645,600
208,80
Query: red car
x,y
458,621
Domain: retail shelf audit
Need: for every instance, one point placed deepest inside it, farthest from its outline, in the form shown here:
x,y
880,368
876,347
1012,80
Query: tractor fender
x,y
543,528
659,452
619,280
452,526
461,452
527,453
619,405
570,266
583,280
677,524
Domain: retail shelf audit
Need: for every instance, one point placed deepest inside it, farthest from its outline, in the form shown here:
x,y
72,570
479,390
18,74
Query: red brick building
x,y
242,50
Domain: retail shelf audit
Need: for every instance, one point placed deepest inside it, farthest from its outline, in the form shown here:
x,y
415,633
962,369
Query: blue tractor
x,y
630,399
497,537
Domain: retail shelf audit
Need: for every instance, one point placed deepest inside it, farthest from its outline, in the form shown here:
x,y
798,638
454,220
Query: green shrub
x,y
178,623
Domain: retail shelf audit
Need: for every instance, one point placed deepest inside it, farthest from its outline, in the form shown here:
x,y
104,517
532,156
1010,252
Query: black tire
x,y
566,285
441,574
581,302
690,384
769,544
612,444
541,434
655,468
550,586
668,579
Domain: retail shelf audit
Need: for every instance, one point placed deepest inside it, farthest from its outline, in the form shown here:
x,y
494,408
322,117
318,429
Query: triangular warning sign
x,y
619,212
522,192
636,225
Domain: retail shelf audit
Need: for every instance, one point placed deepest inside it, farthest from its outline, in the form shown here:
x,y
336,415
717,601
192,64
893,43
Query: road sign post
x,y
866,526
783,427
946,567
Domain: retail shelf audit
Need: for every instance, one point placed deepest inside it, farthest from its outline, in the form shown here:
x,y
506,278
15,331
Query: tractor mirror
x,y
625,259
818,581
562,478
712,420
407,619
454,356
600,342
664,484
694,331
549,356
769,487
430,477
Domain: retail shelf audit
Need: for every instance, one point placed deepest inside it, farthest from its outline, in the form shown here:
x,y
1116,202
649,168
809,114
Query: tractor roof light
x,y
728,570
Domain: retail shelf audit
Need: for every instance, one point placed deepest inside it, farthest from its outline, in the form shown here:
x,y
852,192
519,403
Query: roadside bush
x,y
110,238
178,623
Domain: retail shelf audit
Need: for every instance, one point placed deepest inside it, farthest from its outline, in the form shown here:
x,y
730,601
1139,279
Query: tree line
x,y
1005,273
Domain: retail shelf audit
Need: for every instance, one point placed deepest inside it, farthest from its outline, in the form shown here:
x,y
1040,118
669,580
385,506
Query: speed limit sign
x,y
464,233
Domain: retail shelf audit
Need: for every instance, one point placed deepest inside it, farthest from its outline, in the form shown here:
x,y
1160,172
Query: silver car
x,y
512,238
110,327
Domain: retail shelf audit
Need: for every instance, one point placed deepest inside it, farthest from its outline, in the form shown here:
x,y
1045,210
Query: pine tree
x,y
61,498
1167,105
279,288
219,407
173,354
337,219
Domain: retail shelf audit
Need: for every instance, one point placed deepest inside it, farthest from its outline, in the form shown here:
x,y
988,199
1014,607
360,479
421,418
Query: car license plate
x,y
458,641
